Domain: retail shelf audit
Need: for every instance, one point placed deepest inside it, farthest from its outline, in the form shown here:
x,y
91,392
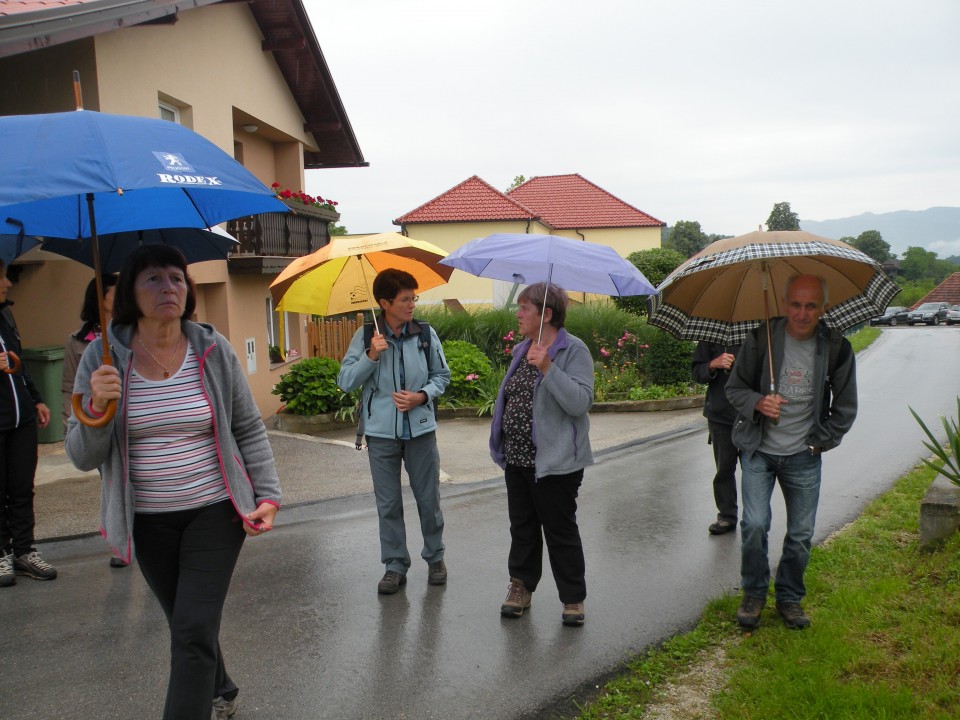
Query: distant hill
x,y
902,229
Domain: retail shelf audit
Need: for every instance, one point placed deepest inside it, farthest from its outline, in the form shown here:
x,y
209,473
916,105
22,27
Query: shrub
x,y
655,264
483,328
468,369
667,360
310,388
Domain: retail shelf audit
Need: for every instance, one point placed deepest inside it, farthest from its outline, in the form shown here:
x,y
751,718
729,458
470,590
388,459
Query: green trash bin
x,y
44,364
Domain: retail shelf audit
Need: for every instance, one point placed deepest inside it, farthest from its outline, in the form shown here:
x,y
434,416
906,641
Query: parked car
x,y
931,313
953,315
892,316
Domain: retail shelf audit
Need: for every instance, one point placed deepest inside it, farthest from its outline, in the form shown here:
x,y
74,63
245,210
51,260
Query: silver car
x,y
953,315
931,313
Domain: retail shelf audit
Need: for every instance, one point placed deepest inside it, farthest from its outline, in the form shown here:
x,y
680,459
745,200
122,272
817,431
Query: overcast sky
x,y
687,109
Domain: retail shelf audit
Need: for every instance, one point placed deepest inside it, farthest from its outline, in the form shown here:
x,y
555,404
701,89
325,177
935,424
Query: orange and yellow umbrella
x,y
338,278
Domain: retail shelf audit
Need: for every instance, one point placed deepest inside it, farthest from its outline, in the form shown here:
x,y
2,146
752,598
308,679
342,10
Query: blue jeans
x,y
799,478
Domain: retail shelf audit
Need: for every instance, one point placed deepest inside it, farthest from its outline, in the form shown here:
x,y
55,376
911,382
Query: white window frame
x,y
172,109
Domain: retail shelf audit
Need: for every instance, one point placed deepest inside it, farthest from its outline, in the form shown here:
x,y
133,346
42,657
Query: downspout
x,y
583,296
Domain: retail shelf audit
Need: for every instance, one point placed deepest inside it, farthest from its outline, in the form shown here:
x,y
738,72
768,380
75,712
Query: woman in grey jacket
x,y
188,471
539,436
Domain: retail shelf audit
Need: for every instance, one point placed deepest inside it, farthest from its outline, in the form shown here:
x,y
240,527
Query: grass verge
x,y
883,644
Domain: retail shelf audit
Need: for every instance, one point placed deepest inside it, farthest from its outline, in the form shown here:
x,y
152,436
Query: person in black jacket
x,y
21,412
711,367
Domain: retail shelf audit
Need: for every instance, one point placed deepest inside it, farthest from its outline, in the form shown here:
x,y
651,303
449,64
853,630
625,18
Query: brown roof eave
x,y
289,35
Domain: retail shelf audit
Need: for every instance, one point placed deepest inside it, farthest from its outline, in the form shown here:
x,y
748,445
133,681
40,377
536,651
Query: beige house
x,y
248,76
567,205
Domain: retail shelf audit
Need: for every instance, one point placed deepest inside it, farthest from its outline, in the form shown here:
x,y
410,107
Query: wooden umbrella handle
x,y
13,363
94,422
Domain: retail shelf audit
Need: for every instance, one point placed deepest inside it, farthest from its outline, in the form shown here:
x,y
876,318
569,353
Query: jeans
x,y
799,478
422,460
541,508
725,455
187,558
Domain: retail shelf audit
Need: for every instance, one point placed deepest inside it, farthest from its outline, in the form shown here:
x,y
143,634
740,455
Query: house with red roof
x,y
566,205
249,76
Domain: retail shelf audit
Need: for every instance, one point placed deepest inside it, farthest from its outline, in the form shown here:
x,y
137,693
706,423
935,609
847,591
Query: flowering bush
x,y
302,197
469,367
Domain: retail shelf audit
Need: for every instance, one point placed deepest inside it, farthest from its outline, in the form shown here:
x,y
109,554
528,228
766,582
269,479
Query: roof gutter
x,y
23,32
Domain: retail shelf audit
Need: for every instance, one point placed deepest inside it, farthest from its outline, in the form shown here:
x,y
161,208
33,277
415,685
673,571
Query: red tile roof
x,y
473,200
571,202
948,291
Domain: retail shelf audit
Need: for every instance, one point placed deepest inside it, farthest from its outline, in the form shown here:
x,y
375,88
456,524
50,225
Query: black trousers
x,y
545,508
187,558
725,455
18,466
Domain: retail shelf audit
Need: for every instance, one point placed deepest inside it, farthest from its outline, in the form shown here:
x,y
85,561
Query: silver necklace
x,y
165,368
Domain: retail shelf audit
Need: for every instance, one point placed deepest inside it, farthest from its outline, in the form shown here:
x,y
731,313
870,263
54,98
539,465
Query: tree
x,y
334,229
686,238
782,218
517,182
655,264
871,242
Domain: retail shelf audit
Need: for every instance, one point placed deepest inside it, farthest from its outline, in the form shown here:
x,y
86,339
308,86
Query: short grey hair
x,y
823,285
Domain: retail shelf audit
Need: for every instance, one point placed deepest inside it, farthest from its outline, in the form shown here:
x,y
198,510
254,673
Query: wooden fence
x,y
331,338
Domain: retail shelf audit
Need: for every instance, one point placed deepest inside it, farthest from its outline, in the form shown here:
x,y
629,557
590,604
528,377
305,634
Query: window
x,y
169,112
273,327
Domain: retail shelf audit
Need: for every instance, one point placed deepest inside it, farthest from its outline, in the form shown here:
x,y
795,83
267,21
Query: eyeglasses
x,y
406,300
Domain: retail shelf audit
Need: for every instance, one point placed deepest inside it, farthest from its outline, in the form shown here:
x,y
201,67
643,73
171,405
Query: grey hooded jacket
x,y
246,458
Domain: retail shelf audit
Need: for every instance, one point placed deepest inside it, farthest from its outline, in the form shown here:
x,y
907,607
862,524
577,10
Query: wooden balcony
x,y
278,235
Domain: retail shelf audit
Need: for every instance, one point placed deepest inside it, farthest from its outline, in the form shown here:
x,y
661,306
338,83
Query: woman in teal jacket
x,y
402,376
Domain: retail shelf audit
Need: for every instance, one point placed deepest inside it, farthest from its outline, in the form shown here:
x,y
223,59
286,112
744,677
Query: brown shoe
x,y
518,599
391,582
748,614
437,573
573,614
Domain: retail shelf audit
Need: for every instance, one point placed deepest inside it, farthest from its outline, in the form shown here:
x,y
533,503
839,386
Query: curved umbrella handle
x,y
13,363
94,422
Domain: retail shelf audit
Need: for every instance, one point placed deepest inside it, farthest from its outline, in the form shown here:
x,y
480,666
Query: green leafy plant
x,y
951,462
275,355
310,388
667,360
468,367
487,389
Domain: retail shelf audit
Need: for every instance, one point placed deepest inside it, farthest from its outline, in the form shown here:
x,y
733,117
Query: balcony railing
x,y
300,232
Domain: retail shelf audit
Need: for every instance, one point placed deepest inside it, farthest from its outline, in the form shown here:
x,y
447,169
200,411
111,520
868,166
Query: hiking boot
x,y
793,615
722,526
748,614
7,576
32,565
572,614
518,599
223,708
437,573
391,582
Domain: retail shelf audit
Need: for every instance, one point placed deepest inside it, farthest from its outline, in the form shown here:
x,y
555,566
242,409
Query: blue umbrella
x,y
139,173
66,174
16,243
572,264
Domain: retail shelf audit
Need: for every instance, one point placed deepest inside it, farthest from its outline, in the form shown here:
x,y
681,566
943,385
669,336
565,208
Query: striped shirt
x,y
173,454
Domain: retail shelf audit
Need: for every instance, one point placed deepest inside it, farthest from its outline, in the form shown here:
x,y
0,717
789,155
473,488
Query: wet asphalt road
x,y
306,636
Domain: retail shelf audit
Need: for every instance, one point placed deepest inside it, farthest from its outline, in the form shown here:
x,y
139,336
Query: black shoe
x,y
748,614
391,582
118,562
722,526
793,615
32,565
437,573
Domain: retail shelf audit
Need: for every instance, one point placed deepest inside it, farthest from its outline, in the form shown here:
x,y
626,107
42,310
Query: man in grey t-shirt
x,y
781,436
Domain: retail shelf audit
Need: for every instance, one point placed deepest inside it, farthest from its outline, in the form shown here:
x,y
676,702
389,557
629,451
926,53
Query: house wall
x,y
471,290
229,82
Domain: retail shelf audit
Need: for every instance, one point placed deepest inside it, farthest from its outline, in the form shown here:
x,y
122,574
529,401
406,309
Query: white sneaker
x,y
223,708
7,575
